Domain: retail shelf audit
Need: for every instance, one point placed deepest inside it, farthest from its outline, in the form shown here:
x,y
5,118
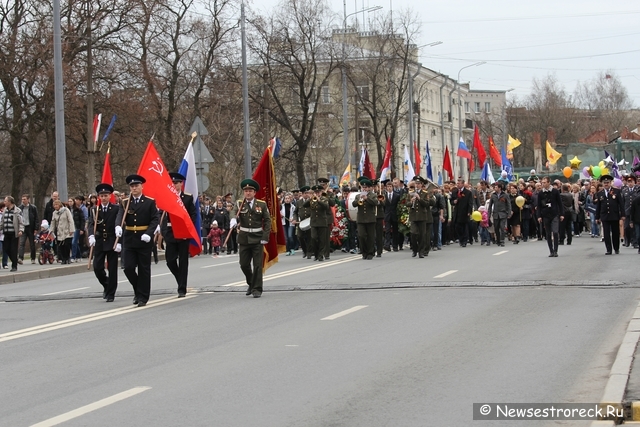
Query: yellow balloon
x,y
476,216
601,164
520,201
604,171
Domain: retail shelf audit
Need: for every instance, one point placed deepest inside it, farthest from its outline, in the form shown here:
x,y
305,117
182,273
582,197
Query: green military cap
x,y
317,188
323,180
249,183
366,182
418,178
362,178
305,188
295,190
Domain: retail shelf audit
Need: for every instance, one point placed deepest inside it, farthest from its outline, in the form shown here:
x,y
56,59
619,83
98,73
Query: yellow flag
x,y
513,142
346,176
552,155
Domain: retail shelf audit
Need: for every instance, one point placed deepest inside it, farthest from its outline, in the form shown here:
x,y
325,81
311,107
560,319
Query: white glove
x,y
118,231
118,247
263,242
145,238
157,230
92,240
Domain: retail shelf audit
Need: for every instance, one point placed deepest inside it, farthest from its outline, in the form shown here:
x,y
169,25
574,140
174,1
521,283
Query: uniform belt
x,y
168,224
251,230
136,227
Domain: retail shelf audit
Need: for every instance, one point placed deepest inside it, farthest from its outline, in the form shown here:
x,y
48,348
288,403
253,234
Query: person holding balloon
x,y
550,212
517,202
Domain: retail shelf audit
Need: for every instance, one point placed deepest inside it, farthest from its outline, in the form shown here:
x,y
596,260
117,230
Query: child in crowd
x,y
485,237
215,237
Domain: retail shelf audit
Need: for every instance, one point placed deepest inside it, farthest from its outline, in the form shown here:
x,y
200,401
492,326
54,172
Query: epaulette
x,y
187,194
260,200
150,198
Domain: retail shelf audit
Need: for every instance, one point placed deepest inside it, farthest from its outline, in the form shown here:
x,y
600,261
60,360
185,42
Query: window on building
x,y
477,109
363,92
487,107
466,107
326,96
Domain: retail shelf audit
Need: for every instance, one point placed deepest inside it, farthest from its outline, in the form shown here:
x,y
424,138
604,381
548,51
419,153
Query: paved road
x,y
514,327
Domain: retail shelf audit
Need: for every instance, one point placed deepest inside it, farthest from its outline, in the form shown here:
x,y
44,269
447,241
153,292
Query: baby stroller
x,y
46,250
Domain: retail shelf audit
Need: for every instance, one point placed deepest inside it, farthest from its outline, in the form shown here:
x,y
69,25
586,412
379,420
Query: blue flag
x,y
439,178
486,174
506,165
427,163
106,134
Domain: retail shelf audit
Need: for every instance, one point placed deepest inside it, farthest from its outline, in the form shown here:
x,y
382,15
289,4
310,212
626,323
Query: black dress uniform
x,y
610,210
318,207
177,250
331,201
254,227
102,218
141,218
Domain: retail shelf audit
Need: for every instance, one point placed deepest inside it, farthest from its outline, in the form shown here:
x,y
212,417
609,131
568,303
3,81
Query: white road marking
x,y
22,333
91,407
155,275
291,345
218,265
500,253
297,270
70,290
446,273
345,312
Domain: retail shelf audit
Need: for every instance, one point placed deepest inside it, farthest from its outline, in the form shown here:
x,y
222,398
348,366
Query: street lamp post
x,y
505,134
345,117
457,86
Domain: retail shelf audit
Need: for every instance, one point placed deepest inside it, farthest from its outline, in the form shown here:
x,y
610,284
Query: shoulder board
x,y
187,194
260,200
150,198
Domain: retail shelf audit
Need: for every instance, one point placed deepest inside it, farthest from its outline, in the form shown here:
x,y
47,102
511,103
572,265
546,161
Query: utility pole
x,y
61,148
245,98
91,149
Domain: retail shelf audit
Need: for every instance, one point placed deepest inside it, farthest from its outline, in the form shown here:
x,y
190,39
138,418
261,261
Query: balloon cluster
x,y
596,171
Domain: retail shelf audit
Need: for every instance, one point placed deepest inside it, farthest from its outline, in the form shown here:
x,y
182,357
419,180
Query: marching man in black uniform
x,y
177,250
609,212
254,227
102,226
140,220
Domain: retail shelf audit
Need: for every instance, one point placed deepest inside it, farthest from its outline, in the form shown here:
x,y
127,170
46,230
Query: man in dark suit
x,y
206,213
177,250
499,211
102,237
254,227
390,205
400,190
141,220
550,212
379,218
462,200
609,212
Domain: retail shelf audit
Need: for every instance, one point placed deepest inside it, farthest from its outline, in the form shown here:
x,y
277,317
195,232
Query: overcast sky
x,y
522,40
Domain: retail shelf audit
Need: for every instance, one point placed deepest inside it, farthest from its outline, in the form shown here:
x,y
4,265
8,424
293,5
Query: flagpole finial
x,y
152,136
108,147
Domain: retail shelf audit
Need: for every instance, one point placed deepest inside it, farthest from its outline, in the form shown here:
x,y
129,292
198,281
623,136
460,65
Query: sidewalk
x,y
28,271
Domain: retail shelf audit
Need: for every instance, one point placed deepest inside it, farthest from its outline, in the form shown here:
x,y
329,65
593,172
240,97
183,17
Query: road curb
x,y
50,272
615,389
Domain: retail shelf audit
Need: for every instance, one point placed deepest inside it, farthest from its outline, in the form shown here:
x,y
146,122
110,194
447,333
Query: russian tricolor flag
x,y
188,170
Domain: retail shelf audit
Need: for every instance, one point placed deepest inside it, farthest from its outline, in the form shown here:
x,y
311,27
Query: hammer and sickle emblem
x,y
157,167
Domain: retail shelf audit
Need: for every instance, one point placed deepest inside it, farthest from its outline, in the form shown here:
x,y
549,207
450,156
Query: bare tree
x,y
295,57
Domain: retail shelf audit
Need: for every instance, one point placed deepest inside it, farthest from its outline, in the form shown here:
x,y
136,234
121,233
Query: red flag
x,y
160,187
446,164
477,145
416,155
107,178
472,165
266,177
494,153
369,171
385,171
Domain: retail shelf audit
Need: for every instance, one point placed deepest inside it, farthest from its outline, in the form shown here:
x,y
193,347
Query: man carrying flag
x,y
254,228
139,215
177,250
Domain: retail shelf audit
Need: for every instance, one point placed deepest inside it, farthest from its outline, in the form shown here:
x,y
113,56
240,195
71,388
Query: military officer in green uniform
x,y
367,203
254,226
419,215
301,213
318,205
331,200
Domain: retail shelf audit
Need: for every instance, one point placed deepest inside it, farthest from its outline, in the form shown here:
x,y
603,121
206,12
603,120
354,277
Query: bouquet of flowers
x,y
339,230
403,214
